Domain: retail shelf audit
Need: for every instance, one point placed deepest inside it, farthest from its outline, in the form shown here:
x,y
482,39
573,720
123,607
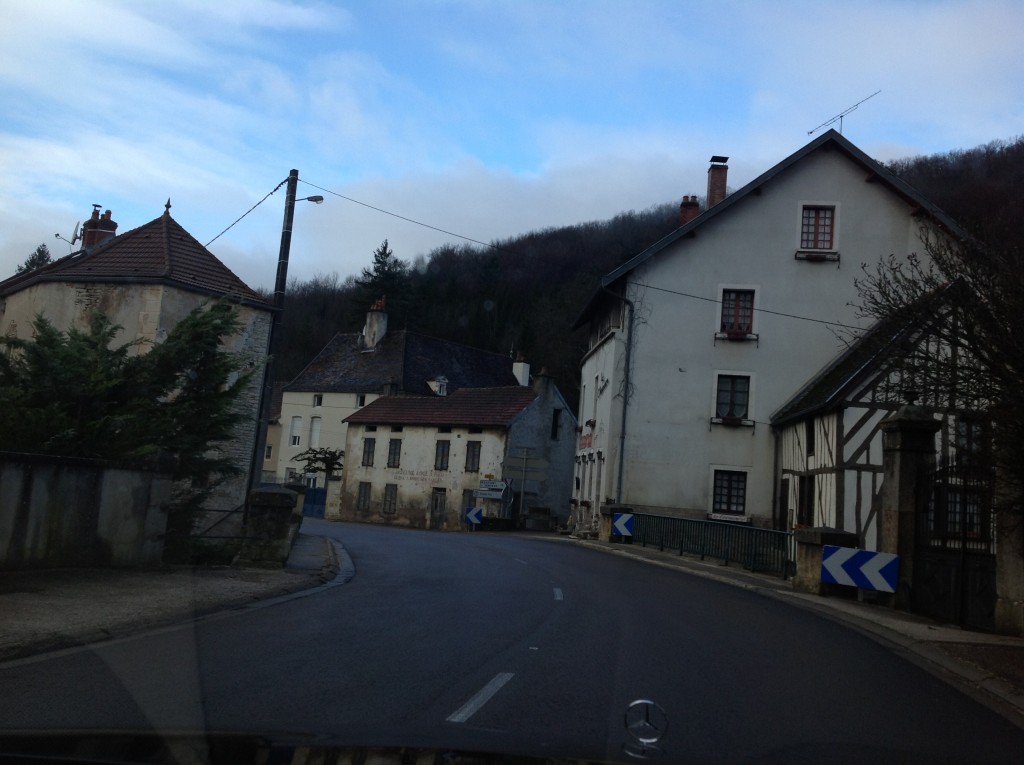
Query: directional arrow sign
x,y
622,524
473,514
859,568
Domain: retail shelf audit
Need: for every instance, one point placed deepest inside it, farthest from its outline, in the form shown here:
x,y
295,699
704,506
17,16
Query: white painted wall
x,y
334,408
670,441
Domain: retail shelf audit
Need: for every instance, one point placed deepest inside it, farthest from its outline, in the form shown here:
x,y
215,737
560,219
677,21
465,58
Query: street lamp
x,y
276,322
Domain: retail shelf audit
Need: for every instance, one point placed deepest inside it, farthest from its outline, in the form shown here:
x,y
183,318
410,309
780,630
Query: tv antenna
x,y
839,117
74,237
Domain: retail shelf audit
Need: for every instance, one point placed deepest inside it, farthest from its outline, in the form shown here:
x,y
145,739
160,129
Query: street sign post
x,y
859,568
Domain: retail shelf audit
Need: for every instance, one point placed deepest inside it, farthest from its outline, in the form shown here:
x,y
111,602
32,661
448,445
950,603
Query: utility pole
x,y
276,321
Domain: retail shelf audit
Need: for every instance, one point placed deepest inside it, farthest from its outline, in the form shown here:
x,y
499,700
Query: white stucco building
x,y
696,341
421,461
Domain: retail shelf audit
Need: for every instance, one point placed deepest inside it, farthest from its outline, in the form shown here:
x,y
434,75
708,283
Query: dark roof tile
x,y
404,359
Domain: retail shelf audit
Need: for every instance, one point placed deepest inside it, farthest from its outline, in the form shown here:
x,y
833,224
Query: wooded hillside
x,y
522,294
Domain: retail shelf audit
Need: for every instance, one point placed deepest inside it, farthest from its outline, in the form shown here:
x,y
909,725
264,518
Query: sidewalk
x,y
44,610
988,667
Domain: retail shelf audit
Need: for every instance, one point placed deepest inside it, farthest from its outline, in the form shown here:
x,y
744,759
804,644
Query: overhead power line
x,y
759,310
402,217
506,249
282,183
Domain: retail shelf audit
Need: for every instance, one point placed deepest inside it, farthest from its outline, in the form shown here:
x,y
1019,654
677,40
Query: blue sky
x,y
487,119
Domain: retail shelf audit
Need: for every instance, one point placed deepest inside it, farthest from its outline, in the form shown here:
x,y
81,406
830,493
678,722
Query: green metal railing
x,y
756,549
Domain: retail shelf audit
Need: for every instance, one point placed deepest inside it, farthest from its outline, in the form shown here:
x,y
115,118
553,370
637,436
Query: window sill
x,y
732,422
737,337
817,256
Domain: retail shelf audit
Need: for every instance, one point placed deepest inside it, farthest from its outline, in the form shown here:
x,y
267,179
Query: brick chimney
x,y
376,324
689,209
98,229
717,174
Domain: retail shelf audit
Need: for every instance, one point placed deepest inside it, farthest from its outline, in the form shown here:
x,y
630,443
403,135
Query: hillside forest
x,y
522,294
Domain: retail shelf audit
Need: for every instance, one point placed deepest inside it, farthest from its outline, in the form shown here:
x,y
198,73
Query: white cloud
x,y
486,119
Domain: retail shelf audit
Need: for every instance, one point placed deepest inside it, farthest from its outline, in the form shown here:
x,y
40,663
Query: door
x,y
438,508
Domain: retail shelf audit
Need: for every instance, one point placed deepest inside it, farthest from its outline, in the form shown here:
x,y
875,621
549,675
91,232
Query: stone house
x,y
145,280
421,461
354,369
697,340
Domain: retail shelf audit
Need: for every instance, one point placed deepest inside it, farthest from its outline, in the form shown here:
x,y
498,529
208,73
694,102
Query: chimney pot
x,y
689,209
98,229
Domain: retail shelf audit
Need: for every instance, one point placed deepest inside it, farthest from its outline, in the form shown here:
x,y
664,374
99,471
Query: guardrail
x,y
756,549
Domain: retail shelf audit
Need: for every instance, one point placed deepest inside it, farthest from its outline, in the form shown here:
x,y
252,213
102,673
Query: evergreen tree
x,y
388,277
37,259
78,394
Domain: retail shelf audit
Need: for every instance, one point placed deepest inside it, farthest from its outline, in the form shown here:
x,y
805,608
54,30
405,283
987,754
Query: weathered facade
x,y
696,341
421,461
146,280
354,369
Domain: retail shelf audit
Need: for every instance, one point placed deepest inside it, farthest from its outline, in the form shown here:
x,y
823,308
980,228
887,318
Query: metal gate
x,y
954,559
315,503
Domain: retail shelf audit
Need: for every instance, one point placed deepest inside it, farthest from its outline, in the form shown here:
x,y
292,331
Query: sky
x,y
482,119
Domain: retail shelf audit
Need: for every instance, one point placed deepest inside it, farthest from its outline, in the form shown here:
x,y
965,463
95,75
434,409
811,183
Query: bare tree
x,y
964,300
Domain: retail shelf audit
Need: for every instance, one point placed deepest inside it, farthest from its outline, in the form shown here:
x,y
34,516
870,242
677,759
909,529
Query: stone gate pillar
x,y
908,459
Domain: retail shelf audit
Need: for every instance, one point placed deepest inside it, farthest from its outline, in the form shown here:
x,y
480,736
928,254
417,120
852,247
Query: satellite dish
x,y
75,237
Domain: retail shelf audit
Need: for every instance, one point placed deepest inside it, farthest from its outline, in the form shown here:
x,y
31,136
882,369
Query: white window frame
x,y
753,334
715,516
747,421
814,253
296,432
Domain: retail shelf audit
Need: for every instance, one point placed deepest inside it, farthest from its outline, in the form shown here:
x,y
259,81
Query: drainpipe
x,y
776,482
625,392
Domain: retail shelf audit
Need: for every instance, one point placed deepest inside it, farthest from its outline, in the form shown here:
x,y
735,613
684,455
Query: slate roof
x,y
403,358
160,252
829,139
468,407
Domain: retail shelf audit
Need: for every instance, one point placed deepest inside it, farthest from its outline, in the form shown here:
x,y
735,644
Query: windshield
x,y
622,381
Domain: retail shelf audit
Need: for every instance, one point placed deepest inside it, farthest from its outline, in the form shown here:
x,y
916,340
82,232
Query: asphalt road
x,y
519,644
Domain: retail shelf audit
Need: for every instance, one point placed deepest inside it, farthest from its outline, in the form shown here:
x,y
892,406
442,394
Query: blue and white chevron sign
x,y
859,568
622,524
473,515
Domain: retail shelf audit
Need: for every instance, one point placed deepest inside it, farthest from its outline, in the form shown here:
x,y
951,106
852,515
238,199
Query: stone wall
x,y
73,512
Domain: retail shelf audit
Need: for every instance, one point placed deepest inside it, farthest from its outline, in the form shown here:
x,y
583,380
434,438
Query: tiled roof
x,y
160,251
404,359
479,407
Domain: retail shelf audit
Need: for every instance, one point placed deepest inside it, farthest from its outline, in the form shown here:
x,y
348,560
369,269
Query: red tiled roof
x,y
480,407
160,251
